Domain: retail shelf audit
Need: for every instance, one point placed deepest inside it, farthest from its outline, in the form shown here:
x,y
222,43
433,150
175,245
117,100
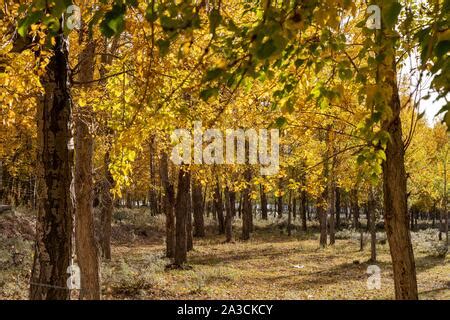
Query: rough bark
x,y
168,204
181,212
54,227
107,200
87,253
394,190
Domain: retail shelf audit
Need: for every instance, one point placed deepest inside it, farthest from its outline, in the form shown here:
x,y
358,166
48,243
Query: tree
x,y
87,255
246,207
197,205
394,173
263,203
181,212
372,227
229,215
168,205
218,207
53,250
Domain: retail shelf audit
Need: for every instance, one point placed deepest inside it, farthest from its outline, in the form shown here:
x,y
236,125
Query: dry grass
x,y
271,265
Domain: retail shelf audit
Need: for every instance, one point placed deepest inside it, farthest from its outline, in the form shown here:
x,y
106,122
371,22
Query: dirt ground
x,y
271,265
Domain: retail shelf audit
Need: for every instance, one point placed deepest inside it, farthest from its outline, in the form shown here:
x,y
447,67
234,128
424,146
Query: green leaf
x,y
299,62
390,14
266,50
114,21
213,74
214,20
150,14
163,45
32,18
280,122
132,3
52,23
360,160
442,48
345,73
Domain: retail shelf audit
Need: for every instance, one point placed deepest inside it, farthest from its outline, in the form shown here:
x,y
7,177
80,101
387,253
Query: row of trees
x,y
135,71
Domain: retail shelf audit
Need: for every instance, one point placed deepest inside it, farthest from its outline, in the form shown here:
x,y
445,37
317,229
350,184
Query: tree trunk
x,y
322,213
394,190
303,210
152,195
228,217
338,207
181,212
373,233
331,208
168,204
197,205
444,199
354,207
294,208
189,240
107,200
129,202
331,183
280,206
246,207
54,226
241,200
218,205
107,208
263,195
289,225
87,255
361,238
233,203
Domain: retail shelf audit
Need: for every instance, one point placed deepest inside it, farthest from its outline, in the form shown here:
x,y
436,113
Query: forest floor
x,y
272,265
